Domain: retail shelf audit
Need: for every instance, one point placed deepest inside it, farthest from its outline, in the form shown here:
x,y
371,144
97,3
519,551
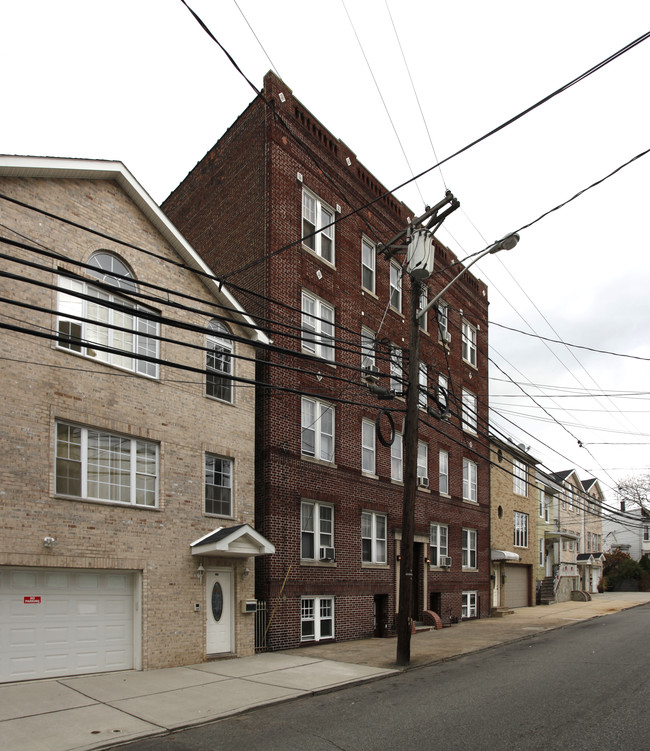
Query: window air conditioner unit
x,y
445,561
423,482
446,337
371,373
327,554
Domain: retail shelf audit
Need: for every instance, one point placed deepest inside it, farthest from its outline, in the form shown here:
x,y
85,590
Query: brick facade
x,y
43,384
239,206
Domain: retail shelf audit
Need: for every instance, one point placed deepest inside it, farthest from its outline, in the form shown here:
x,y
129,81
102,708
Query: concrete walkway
x,y
98,711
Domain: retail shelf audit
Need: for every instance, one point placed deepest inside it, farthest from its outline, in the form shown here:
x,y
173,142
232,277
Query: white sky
x,y
139,81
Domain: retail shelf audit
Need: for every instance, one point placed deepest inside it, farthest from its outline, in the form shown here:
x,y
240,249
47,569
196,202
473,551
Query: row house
x,y
514,534
127,491
578,523
290,217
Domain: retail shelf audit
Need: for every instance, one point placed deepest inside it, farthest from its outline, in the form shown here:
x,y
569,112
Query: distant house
x,y
628,531
128,535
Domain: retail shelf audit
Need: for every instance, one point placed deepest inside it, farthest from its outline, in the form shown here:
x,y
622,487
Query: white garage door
x,y
64,622
516,589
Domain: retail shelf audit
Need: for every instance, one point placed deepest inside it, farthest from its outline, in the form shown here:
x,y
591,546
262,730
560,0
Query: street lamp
x,y
419,266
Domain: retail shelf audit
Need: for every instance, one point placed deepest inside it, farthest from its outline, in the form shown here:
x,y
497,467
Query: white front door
x,y
219,611
496,587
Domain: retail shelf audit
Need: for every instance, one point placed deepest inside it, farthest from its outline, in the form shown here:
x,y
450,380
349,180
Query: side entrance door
x,y
219,611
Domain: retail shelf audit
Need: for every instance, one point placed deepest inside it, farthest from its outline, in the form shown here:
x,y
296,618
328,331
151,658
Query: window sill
x,y
317,564
218,516
422,489
397,482
119,504
468,500
471,365
320,358
375,566
369,475
467,570
220,401
372,294
89,358
321,462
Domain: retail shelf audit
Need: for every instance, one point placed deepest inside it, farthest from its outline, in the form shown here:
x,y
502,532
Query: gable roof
x,y
240,541
98,169
562,477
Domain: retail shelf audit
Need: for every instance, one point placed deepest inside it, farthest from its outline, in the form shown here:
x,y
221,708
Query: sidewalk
x,y
98,711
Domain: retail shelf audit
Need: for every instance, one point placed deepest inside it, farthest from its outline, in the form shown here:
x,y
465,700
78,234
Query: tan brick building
x,y
127,533
514,499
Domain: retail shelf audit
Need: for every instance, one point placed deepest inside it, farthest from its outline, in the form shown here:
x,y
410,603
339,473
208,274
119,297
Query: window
x,y
104,466
469,548
368,456
441,393
367,348
520,523
368,265
542,504
316,529
316,217
373,537
423,460
396,374
469,343
317,424
218,485
422,303
443,323
519,478
438,535
218,382
396,459
443,472
422,382
469,605
316,618
396,287
317,326
646,533
469,411
542,554
131,335
470,474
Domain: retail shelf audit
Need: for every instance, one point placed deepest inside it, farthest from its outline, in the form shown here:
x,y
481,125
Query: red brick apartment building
x,y
329,493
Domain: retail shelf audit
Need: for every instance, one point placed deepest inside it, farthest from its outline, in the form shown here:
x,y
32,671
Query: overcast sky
x,y
139,81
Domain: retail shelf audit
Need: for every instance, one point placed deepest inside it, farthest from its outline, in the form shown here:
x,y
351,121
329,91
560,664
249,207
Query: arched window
x,y
218,381
112,332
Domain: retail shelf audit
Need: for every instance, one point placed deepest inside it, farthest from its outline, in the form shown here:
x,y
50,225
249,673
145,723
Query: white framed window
x,y
367,348
469,342
317,429
423,384
470,480
373,537
396,465
132,335
469,605
469,415
218,366
423,460
317,326
422,303
316,618
520,525
396,373
443,472
218,485
646,533
542,503
396,287
368,448
443,322
316,529
316,216
442,392
438,541
368,262
469,548
104,466
519,478
542,554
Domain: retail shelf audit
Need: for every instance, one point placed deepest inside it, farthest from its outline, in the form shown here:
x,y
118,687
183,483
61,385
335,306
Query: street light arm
x,y
507,243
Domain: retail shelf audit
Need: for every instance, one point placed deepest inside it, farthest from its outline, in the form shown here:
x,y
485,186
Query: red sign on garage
x,y
32,600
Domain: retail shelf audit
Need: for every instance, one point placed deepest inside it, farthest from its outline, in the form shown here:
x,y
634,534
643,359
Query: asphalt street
x,y
582,688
